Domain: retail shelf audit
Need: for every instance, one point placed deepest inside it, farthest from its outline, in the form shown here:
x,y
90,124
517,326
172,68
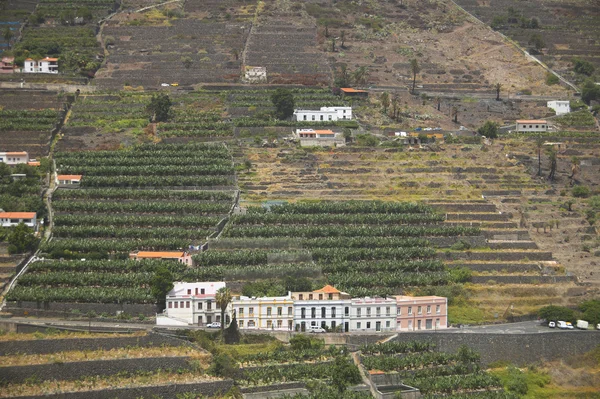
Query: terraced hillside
x,y
152,197
27,119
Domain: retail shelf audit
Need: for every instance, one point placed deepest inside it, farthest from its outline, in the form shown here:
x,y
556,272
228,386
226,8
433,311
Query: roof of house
x,y
33,163
153,254
327,131
17,215
417,298
8,59
50,59
69,177
328,289
351,90
531,121
17,153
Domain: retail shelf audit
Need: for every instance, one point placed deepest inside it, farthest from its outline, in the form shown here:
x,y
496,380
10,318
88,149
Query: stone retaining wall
x,y
446,242
493,256
60,308
208,389
499,267
77,370
523,280
43,346
513,245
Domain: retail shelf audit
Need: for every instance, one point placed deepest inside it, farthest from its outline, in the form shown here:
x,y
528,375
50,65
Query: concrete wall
x,y
208,389
48,86
520,349
492,256
446,242
42,346
77,370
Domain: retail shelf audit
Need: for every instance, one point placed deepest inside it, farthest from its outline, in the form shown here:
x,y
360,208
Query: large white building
x,y
532,125
373,314
324,114
45,65
327,308
265,313
191,304
560,107
8,219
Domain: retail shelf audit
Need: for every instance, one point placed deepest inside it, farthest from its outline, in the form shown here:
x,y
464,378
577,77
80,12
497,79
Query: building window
x,y
199,305
279,323
196,290
358,311
304,117
170,304
378,311
313,313
320,297
189,292
241,323
418,324
329,117
313,117
300,297
333,313
290,310
323,312
269,311
202,291
410,310
251,323
209,305
176,305
279,311
368,325
181,304
368,312
358,325
330,296
387,324
346,311
187,304
269,324
437,309
399,311
303,313
310,296
321,117
428,309
419,310
387,310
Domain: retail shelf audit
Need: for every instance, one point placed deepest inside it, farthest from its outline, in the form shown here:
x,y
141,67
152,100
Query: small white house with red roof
x,y
14,158
45,65
191,304
68,180
8,219
179,256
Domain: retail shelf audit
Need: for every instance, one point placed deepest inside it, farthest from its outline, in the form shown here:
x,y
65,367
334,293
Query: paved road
x,y
524,327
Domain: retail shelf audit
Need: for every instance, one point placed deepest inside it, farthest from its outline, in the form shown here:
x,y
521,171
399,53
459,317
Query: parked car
x,y
216,324
317,330
598,326
165,84
174,84
565,325
551,324
582,324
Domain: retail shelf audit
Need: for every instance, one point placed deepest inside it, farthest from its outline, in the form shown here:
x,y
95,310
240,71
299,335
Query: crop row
x,y
178,150
395,347
196,133
121,159
319,219
85,245
163,127
114,193
293,372
127,232
155,181
346,207
104,266
144,170
92,279
412,361
349,231
350,280
136,220
454,383
282,355
177,207
81,294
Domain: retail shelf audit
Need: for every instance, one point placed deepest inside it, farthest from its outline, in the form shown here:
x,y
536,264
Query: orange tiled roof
x,y
153,254
531,121
33,163
17,215
16,153
351,90
328,289
69,177
327,131
50,59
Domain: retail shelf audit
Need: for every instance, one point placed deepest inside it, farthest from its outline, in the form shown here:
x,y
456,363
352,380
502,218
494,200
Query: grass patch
x,y
465,313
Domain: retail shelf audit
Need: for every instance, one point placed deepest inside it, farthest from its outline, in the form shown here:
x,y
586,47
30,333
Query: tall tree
x,y
21,239
161,284
498,87
552,157
575,167
539,144
342,76
7,34
414,69
159,108
438,102
223,299
361,74
342,38
385,101
455,114
283,100
333,44
395,102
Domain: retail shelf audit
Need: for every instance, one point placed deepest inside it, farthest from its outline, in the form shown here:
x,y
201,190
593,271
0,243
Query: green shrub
x,y
551,79
581,191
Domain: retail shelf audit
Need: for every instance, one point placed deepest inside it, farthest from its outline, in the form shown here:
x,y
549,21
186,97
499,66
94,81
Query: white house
x,y
421,313
373,314
255,74
311,137
14,158
8,219
191,304
68,180
560,107
266,313
45,65
324,114
533,125
179,256
326,307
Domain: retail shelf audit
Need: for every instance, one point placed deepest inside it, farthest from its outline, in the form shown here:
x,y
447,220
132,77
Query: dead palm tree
x,y
414,69
575,167
498,87
539,144
223,299
552,156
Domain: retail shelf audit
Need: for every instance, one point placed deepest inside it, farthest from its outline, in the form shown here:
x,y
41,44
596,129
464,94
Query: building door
x,y
208,319
333,326
418,324
346,327
303,326
199,320
410,325
378,326
428,324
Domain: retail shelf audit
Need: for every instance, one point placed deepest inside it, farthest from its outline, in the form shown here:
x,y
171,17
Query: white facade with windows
x,y
373,314
534,125
191,304
265,313
9,219
560,107
46,65
324,114
14,158
327,308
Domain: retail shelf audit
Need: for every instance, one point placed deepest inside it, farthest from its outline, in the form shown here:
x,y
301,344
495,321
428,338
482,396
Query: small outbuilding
x,y
532,125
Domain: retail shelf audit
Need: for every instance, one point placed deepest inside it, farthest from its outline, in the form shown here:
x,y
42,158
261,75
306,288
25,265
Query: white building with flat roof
x,y
373,314
191,304
265,313
45,65
560,107
14,158
532,125
324,114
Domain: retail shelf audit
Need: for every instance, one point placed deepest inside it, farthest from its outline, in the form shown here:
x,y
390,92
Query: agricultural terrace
x,y
418,364
89,10
182,51
150,197
364,248
27,120
105,122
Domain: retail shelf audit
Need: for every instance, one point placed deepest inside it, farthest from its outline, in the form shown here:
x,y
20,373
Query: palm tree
x,y
415,69
455,114
552,156
575,168
438,102
385,101
361,75
223,299
395,102
498,87
539,144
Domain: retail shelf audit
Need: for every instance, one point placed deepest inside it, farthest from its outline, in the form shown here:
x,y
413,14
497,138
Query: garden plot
x,y
27,120
151,197
288,51
186,52
56,8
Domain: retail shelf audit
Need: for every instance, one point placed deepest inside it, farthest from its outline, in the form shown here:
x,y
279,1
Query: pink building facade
x,y
421,313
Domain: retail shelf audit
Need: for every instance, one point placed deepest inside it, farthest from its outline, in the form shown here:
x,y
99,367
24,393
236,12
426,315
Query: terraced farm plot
x,y
151,197
186,52
27,120
97,8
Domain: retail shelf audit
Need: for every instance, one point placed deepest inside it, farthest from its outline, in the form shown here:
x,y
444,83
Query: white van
x,y
565,325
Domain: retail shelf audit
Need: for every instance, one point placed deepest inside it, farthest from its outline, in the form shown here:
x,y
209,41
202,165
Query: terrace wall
x,y
24,308
48,86
208,389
